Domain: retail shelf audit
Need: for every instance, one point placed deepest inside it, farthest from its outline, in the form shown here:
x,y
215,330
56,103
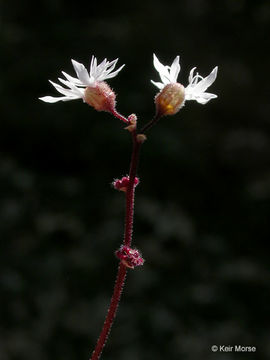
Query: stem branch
x,y
150,123
131,190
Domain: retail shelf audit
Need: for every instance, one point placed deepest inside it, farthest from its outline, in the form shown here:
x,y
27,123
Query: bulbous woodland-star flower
x,y
173,94
89,86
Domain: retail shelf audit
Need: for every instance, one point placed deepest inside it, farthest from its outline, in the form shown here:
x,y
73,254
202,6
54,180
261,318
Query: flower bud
x,y
132,123
122,184
101,97
129,257
141,138
170,99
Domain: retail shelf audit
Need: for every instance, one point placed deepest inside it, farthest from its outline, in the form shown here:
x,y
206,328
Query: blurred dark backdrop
x,y
202,205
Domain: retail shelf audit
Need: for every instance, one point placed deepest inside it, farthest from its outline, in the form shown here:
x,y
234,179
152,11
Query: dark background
x,y
201,208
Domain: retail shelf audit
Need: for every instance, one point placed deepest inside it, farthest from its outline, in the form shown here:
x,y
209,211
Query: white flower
x,y
197,86
195,90
75,87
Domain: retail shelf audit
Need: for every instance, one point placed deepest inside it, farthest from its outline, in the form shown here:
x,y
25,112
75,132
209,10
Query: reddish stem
x,y
115,113
150,123
122,270
118,288
131,190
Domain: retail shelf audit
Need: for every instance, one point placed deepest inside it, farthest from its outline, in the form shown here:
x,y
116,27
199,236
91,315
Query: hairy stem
x,y
122,270
115,113
118,288
131,190
150,123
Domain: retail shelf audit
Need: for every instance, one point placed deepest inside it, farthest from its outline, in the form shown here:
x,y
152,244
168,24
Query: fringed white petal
x,y
81,72
158,84
51,99
197,86
168,74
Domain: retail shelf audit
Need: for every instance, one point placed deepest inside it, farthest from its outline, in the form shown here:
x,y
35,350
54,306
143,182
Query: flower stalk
x,y
116,114
130,194
118,288
150,124
129,217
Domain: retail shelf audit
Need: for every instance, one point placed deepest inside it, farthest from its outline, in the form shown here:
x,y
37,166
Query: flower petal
x,y
158,66
92,64
51,99
205,97
158,84
104,70
111,65
113,74
81,73
60,89
175,69
168,74
206,82
191,75
201,98
72,79
100,69
162,70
